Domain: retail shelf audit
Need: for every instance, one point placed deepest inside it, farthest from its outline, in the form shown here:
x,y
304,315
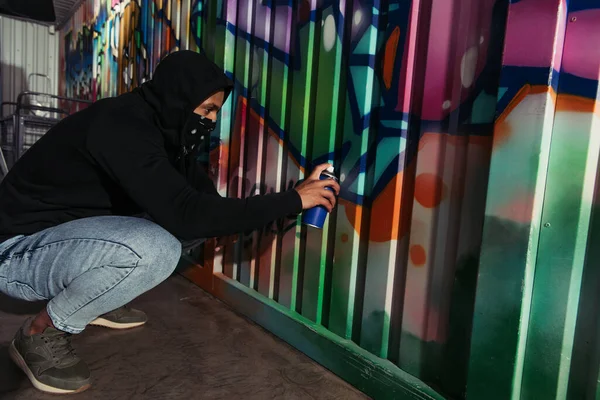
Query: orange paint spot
x,y
502,129
418,255
539,89
429,190
344,237
569,102
502,132
353,213
385,214
390,215
389,58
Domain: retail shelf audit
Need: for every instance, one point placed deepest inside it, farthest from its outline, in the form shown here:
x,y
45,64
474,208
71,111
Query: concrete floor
x,y
193,347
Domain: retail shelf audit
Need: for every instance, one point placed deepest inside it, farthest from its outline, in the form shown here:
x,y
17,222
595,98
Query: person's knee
x,y
158,249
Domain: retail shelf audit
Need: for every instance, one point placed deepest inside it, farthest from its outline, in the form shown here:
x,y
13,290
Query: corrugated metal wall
x,y
399,95
26,48
404,98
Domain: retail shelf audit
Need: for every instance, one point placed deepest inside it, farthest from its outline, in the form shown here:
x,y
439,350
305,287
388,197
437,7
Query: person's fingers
x,y
323,201
329,183
335,186
334,201
328,194
316,173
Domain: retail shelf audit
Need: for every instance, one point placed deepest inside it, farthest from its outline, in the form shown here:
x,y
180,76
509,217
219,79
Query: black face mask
x,y
198,128
200,125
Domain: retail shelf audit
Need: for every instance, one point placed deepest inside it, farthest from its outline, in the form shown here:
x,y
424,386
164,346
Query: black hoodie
x,y
124,156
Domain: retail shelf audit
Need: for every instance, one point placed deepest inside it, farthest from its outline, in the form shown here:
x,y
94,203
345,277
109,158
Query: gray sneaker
x,y
49,361
122,318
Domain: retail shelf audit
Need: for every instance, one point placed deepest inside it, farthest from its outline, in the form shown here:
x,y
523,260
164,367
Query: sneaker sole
x,y
115,325
18,359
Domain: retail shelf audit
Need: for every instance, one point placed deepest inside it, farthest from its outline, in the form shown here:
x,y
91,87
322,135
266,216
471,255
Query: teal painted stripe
x,y
326,127
299,131
335,128
376,317
281,284
307,111
347,240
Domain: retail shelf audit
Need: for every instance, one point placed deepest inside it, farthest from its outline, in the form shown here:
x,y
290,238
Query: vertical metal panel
x,y
568,204
536,325
26,48
331,117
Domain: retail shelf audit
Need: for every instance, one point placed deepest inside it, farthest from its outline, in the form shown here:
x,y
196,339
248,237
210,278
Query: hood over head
x,y
181,82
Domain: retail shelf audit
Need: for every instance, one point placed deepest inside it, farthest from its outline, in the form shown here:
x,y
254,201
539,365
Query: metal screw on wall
x,y
547,225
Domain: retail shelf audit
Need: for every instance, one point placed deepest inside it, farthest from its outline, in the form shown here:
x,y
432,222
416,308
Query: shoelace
x,y
60,346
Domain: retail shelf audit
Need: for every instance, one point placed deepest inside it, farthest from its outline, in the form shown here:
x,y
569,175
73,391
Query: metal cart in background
x,y
29,121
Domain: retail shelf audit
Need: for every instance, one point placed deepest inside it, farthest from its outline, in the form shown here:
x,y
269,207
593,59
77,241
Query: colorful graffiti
x,y
393,93
114,46
404,98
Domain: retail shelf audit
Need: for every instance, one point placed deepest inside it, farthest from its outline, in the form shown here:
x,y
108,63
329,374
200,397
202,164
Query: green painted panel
x,y
535,330
562,245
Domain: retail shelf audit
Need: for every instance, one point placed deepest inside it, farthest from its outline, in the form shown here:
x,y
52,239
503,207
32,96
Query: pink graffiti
x,y
581,55
454,39
283,22
525,32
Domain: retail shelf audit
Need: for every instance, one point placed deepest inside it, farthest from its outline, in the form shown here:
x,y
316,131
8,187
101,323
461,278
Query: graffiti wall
x,y
404,98
400,96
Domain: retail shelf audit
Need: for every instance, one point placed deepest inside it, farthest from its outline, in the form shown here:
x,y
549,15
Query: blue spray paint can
x,y
316,216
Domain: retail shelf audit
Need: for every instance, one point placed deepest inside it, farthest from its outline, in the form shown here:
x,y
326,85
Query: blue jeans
x,y
87,267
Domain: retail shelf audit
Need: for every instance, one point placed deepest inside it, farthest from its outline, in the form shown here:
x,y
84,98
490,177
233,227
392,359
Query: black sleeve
x,y
202,182
135,158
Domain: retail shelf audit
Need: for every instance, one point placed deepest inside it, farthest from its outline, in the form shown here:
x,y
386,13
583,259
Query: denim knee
x,y
158,250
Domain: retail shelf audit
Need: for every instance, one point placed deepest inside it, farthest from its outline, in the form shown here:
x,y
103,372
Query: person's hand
x,y
313,191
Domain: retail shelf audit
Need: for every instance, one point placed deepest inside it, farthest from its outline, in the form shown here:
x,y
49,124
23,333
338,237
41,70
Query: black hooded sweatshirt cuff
x,y
293,197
